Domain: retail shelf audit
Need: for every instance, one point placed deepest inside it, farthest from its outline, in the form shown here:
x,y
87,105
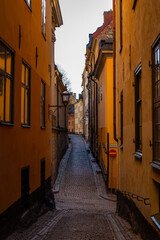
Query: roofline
x,y
100,29
58,21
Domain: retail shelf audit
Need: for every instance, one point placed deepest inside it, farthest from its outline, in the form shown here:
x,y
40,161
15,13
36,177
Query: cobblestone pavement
x,y
84,211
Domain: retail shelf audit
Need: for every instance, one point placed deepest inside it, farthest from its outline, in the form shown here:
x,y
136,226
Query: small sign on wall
x,y
113,146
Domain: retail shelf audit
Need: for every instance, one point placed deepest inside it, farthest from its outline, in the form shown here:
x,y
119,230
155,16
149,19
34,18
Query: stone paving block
x,y
83,209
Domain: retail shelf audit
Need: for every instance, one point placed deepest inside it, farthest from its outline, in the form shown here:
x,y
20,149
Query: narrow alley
x,y
83,208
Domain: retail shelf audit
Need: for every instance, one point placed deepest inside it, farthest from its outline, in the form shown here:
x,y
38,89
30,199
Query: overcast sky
x,y
80,17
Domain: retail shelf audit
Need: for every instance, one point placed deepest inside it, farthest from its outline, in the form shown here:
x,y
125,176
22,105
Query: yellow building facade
x,y
100,55
26,88
78,113
138,106
85,103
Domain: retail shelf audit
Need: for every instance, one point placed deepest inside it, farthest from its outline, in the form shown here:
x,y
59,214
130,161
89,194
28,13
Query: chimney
x,y
108,16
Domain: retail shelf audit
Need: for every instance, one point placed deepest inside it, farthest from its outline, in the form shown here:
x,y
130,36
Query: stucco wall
x,y
21,147
140,29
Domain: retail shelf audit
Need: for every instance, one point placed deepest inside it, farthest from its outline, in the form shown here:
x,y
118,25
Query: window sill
x,y
61,129
43,128
155,165
138,155
6,124
25,126
156,219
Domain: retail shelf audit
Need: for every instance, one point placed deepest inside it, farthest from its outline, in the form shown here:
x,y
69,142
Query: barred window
x,y
138,109
156,101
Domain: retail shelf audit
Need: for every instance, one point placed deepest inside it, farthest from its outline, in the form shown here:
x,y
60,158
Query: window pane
x,y
156,109
26,106
157,151
44,16
157,55
140,138
155,90
23,72
7,102
138,111
157,115
1,98
29,2
27,76
158,90
2,57
22,105
8,62
157,132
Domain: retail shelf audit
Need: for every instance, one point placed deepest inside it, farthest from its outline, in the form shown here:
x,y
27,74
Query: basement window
x,y
43,178
156,219
25,187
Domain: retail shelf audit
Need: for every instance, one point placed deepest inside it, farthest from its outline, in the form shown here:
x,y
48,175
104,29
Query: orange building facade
x,y
137,91
26,87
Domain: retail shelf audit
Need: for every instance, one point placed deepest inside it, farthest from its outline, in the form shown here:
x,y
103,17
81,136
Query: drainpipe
x,y
57,104
94,120
91,119
95,105
114,75
96,115
88,113
107,160
95,110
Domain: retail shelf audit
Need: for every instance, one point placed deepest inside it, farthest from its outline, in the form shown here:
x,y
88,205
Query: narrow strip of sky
x,y
80,17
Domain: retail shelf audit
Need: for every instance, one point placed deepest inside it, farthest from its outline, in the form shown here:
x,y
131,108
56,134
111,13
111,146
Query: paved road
x,y
83,211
